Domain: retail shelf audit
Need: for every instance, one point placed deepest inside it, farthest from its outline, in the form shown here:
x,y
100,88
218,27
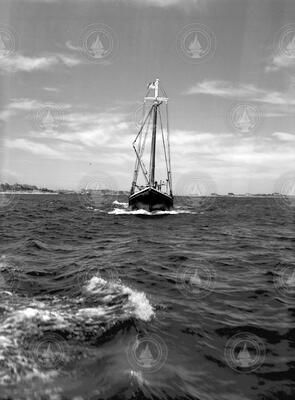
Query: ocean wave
x,y
29,325
137,302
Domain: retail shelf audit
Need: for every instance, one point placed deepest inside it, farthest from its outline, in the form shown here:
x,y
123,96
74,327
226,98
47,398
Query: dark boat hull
x,y
150,199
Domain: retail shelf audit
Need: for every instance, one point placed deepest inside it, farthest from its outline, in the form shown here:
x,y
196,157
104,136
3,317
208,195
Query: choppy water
x,y
101,303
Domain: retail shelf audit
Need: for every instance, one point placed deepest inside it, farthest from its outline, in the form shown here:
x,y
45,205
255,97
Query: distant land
x,y
246,195
24,188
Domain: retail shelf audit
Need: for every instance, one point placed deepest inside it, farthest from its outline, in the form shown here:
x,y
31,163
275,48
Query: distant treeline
x,y
16,187
104,191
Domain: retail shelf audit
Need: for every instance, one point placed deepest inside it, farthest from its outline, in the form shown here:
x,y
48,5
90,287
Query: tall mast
x,y
153,147
155,86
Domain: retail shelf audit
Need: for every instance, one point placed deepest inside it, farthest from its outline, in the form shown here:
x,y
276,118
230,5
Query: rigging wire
x,y
169,153
137,155
164,146
143,167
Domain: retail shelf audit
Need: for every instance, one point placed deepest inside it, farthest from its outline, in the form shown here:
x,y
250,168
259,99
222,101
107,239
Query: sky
x,y
73,74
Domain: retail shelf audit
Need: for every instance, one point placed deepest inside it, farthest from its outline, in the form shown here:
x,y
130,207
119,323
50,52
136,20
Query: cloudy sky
x,y
74,72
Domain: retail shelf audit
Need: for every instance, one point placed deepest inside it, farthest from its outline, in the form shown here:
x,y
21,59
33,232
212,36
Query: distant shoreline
x,y
19,192
110,194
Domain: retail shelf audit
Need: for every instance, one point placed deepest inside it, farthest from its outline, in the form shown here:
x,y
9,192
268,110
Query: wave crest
x,y
32,331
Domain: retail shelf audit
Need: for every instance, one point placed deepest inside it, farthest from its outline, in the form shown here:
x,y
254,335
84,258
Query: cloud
x,y
81,50
227,147
20,105
221,154
224,89
166,3
157,3
71,46
19,63
105,138
279,61
247,92
284,136
51,89
24,104
33,147
69,61
91,129
42,1
5,115
76,135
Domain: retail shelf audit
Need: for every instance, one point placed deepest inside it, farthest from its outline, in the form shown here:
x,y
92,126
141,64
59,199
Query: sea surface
x,y
98,302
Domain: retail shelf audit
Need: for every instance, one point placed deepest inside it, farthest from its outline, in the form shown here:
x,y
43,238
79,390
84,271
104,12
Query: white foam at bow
x,y
119,211
118,203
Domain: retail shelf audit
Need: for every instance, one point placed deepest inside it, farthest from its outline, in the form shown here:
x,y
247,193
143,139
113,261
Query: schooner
x,y
155,193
